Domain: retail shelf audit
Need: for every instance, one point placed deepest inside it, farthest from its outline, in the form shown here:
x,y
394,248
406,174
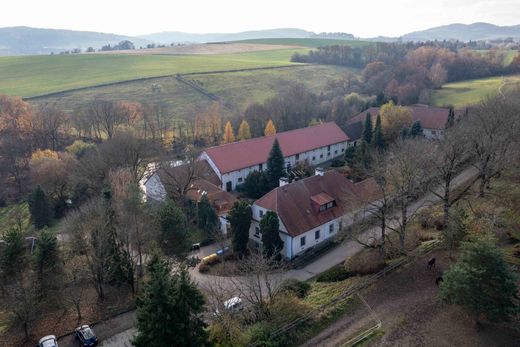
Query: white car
x,y
232,305
48,341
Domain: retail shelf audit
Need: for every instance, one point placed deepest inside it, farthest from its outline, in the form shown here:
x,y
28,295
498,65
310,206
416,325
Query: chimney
x,y
283,181
319,171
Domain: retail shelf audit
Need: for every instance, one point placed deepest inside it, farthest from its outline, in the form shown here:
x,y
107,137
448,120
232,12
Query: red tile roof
x,y
430,117
243,154
293,202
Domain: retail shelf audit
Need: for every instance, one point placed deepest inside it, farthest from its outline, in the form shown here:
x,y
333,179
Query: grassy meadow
x,y
28,76
470,92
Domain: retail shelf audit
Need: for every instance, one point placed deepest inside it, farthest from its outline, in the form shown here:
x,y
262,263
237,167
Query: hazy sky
x,y
360,17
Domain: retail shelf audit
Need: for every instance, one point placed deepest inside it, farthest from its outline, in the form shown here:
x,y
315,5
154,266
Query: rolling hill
x,y
26,40
464,32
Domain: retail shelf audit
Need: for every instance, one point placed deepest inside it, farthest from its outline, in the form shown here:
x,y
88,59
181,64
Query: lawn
x,y
9,214
469,92
237,89
38,75
308,42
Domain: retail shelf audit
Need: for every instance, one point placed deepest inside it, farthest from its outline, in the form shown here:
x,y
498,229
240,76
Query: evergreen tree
x,y
255,184
48,261
416,130
379,141
240,219
229,135
403,134
39,208
12,258
367,130
275,166
451,118
350,153
482,282
207,218
244,131
269,227
270,129
169,309
172,221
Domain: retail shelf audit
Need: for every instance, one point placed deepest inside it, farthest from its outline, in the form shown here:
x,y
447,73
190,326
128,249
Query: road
x,y
119,331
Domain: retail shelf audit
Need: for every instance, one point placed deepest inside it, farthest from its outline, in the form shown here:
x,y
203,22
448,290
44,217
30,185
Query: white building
x,y
312,210
317,144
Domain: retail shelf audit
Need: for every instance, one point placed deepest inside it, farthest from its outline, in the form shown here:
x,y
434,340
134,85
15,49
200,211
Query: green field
x,y
38,75
309,42
236,89
470,92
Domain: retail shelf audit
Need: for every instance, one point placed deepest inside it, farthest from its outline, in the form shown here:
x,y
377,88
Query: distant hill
x,y
175,36
465,32
26,40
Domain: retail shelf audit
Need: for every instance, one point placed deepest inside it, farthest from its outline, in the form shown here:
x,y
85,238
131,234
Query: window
x,y
331,228
313,158
336,151
298,156
261,213
342,150
321,155
330,204
302,241
317,234
240,180
261,167
328,148
323,208
257,232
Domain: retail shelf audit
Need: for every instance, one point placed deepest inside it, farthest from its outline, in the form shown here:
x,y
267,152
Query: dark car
x,y
48,341
86,336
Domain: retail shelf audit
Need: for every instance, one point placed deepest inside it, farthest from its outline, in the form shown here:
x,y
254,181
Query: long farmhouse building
x,y
316,144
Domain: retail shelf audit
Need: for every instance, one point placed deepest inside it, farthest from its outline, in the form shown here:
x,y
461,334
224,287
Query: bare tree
x,y
49,125
178,179
75,283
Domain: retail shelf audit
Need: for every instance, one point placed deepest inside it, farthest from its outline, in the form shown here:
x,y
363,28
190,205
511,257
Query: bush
x,y
299,288
364,263
335,274
203,268
337,163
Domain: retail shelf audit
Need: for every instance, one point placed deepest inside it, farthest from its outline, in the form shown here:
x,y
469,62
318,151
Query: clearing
x,y
463,93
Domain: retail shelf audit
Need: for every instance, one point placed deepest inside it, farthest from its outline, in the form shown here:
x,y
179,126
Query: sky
x,y
363,18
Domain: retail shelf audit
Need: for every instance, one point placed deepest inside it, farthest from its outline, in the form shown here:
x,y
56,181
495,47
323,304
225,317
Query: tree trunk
x,y
446,202
404,223
482,186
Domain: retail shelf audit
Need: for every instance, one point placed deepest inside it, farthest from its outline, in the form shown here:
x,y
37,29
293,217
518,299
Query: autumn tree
x,y
244,132
240,219
229,135
270,129
393,119
50,127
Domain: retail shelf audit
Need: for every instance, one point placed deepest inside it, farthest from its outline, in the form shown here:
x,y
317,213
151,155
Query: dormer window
x,y
323,202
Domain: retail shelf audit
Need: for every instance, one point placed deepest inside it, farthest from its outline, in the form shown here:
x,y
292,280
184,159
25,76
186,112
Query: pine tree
x,y
416,130
174,238
39,208
240,219
367,130
404,133
270,129
12,258
48,261
379,141
207,218
275,165
229,135
244,131
269,227
255,185
482,282
451,118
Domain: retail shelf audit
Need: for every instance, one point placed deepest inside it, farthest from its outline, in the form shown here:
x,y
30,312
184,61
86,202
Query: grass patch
x,y
463,93
308,42
8,217
4,322
37,75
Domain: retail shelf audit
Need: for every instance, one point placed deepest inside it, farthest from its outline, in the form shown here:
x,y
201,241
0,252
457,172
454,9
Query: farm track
x,y
206,93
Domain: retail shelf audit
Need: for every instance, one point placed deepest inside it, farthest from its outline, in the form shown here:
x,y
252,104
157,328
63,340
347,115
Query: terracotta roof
x,y
294,205
221,201
243,154
181,173
355,130
430,117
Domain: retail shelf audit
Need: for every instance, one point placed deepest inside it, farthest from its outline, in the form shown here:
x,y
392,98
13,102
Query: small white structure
x,y
233,162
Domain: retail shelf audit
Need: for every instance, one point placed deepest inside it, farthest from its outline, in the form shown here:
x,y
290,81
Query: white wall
x,y
433,134
154,189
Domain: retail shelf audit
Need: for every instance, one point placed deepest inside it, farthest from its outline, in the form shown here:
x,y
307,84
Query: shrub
x,y
299,288
335,274
364,263
203,268
286,307
337,163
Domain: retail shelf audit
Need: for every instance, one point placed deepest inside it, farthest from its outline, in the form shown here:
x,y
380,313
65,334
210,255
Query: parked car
x,y
195,247
86,336
223,250
232,305
48,341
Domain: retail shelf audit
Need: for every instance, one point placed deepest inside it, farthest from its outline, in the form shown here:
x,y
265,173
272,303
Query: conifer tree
x,y
367,130
275,165
416,130
379,141
12,257
207,218
48,260
39,208
229,135
451,118
172,222
269,128
269,227
240,219
244,131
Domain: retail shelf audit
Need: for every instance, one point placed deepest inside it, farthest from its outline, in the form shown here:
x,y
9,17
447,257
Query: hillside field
x,y
28,76
236,89
308,42
469,92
